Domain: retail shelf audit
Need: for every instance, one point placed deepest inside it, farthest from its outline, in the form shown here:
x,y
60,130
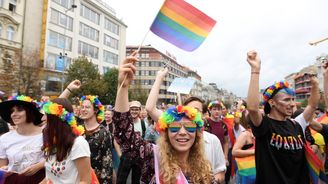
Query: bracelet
x,y
255,72
69,90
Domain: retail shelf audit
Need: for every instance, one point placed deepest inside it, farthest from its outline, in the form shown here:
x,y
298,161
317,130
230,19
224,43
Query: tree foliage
x,y
91,81
111,80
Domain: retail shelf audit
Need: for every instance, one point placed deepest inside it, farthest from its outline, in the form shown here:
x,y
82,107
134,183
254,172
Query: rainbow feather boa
x,y
176,113
64,115
94,100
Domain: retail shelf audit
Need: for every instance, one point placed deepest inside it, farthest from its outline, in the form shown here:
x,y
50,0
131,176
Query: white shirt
x,y
239,131
66,171
214,152
138,127
301,120
21,151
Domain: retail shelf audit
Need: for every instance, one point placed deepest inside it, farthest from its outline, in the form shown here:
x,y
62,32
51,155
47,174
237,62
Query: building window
x,y
1,3
110,57
106,69
53,84
61,19
89,32
12,5
56,62
10,33
111,26
88,50
60,41
89,14
110,42
65,3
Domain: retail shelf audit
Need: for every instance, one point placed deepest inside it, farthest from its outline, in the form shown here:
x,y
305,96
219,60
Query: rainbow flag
x,y
246,169
315,165
182,24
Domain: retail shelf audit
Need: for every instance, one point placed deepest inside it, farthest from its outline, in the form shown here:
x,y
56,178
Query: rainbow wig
x,y
176,113
95,101
217,103
64,115
272,90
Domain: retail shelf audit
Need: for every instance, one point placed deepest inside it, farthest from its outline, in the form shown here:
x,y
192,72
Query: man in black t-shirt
x,y
279,151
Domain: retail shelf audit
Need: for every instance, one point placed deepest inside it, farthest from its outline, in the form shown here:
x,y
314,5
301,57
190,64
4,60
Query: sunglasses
x,y
175,127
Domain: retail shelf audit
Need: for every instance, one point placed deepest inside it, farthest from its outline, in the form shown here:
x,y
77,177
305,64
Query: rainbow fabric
x,y
2,176
246,169
315,166
94,100
215,102
60,111
176,113
182,24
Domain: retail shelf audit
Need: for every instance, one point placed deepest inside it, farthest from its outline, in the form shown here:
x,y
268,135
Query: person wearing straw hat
x,y
20,150
280,144
67,152
179,156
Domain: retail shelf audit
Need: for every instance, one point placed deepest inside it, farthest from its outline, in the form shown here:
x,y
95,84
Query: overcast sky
x,y
279,30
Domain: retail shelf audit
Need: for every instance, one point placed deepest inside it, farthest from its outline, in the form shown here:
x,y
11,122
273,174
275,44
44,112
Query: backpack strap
x,y
143,126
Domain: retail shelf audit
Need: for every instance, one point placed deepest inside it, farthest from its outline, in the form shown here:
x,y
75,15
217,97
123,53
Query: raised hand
x,y
162,73
127,70
254,60
74,85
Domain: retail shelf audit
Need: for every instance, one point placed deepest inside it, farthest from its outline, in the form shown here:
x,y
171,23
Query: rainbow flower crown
x,y
64,115
176,113
216,102
24,98
273,89
94,100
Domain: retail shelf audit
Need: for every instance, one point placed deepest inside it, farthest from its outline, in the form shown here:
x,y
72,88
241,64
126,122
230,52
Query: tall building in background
x,y
150,61
59,31
79,27
11,43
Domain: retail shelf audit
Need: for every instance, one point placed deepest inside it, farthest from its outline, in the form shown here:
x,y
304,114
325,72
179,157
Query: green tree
x,y
137,92
111,81
87,72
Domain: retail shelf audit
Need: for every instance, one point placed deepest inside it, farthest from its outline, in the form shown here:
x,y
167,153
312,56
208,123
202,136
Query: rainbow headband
x,y
94,100
176,113
23,98
216,102
64,115
274,89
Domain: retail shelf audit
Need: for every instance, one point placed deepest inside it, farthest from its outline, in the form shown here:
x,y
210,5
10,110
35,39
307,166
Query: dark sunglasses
x,y
175,127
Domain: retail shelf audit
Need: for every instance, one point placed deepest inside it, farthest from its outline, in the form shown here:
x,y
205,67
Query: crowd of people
x,y
254,141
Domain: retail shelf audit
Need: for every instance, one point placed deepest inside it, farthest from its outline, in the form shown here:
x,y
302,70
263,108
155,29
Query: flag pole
x,y
139,47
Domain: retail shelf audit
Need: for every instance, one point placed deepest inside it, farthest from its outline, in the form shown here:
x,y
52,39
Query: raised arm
x,y
253,98
325,81
74,85
151,109
313,99
240,142
126,75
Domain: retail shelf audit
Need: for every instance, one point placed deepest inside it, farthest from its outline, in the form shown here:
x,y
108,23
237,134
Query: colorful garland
x,y
216,102
64,115
94,100
176,113
272,90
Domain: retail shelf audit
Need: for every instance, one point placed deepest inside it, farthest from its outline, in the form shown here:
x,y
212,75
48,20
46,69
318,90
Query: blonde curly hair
x,y
198,168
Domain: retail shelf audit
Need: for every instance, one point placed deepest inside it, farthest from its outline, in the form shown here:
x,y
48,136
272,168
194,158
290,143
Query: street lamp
x,y
63,55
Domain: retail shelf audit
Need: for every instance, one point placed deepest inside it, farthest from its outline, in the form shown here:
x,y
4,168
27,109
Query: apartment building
x,y
150,61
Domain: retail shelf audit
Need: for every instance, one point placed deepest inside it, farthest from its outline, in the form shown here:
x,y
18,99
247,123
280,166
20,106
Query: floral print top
x,y
134,146
100,142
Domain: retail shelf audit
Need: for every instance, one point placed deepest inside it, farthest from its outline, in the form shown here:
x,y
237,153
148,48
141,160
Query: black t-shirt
x,y
279,153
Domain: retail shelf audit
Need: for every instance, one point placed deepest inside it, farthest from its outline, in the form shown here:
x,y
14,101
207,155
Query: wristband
x,y
69,90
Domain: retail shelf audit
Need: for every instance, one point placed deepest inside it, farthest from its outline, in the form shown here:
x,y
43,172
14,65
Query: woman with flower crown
x,y
179,156
67,153
21,157
92,112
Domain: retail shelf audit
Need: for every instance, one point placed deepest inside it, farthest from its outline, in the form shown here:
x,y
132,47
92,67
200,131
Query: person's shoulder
x,y
8,135
209,137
